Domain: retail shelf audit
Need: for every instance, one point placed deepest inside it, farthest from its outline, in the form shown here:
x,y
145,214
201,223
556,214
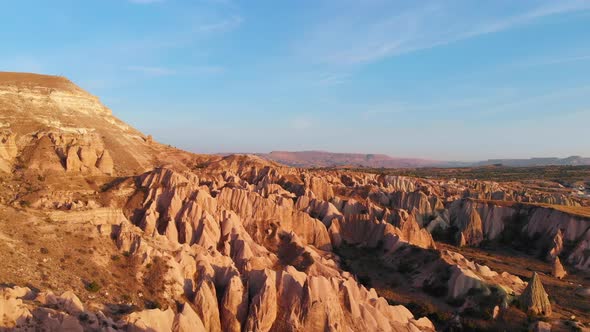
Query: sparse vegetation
x,y
92,287
560,174
152,304
201,165
83,317
155,276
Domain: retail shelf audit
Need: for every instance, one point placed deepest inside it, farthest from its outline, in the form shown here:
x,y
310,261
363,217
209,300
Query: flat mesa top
x,y
31,80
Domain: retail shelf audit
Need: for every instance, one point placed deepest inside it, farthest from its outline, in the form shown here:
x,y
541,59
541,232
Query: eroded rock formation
x,y
237,243
534,299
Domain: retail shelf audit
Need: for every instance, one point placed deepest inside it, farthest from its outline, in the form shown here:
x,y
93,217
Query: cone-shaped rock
x,y
462,241
558,271
534,299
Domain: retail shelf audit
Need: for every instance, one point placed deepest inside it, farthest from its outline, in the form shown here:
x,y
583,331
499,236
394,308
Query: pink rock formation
x,y
247,244
534,299
556,247
12,310
557,269
8,150
154,320
465,216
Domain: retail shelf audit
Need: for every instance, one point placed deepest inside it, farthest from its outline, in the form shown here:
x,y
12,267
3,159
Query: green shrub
x,y
152,304
93,287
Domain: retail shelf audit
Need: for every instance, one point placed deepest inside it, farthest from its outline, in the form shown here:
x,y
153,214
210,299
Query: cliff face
x,y
544,227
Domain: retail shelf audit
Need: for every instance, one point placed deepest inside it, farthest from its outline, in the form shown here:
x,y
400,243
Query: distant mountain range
x,y
569,161
330,159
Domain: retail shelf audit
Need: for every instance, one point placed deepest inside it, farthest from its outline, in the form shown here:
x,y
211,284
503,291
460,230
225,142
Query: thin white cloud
x,y
221,2
204,70
223,25
333,79
549,9
371,111
167,71
183,35
145,2
354,38
525,104
556,61
301,122
153,71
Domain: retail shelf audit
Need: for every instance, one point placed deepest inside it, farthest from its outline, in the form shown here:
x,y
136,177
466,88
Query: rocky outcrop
x,y
95,216
263,307
78,153
364,231
23,309
494,217
417,203
234,305
534,300
154,320
547,222
8,150
13,313
320,188
41,156
466,275
557,269
87,155
464,215
555,227
408,231
399,183
263,218
322,210
556,247
105,163
580,256
187,320
543,227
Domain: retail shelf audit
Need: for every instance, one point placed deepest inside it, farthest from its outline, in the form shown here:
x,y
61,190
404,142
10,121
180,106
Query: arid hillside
x,y
103,229
40,112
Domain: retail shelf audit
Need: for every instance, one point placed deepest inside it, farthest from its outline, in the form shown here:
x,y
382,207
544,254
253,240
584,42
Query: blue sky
x,y
449,80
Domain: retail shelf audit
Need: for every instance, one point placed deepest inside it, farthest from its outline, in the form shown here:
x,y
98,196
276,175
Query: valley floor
x,y
394,285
